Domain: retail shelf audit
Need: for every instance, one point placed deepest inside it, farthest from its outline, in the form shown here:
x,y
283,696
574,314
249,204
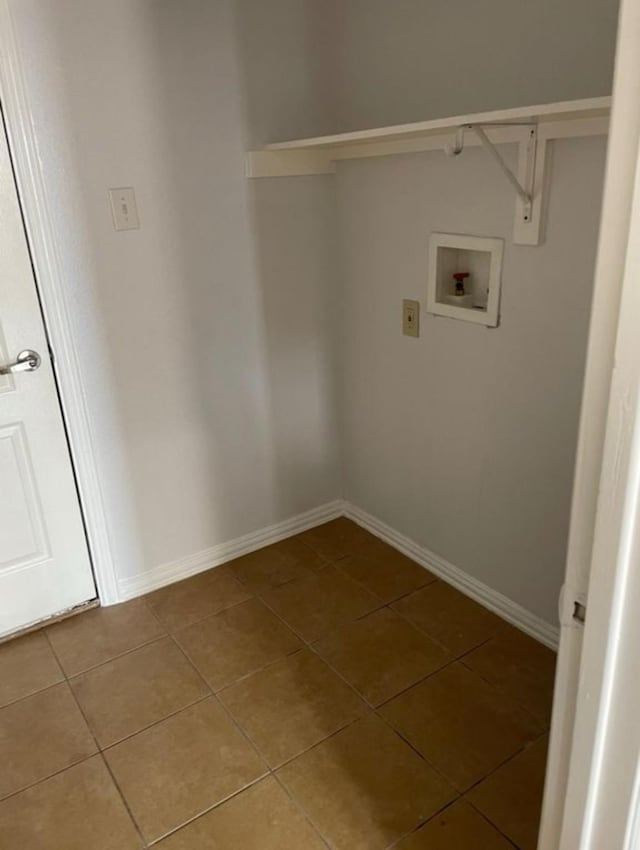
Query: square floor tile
x,y
96,636
292,705
77,809
381,655
336,539
365,787
458,827
236,642
449,617
520,666
125,695
263,817
275,565
384,571
512,796
314,606
27,665
40,735
181,767
462,726
195,598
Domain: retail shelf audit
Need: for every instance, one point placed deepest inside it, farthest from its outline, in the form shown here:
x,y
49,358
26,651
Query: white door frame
x,y
622,157
55,304
602,791
602,804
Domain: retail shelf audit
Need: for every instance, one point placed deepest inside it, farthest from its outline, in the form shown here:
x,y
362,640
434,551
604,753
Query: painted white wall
x,y
410,60
291,78
206,335
464,439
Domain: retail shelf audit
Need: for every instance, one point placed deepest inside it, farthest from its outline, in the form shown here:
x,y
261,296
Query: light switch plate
x,y
410,317
124,209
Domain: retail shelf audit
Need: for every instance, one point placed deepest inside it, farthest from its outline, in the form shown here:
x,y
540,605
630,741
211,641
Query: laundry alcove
x,y
482,421
287,484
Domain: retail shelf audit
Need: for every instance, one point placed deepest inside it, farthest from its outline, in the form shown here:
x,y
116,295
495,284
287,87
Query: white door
x,y
44,560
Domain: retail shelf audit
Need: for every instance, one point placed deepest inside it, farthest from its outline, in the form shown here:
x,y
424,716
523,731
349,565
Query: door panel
x,y
20,509
44,561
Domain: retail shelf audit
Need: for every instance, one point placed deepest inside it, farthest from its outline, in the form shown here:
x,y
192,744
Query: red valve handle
x,y
460,276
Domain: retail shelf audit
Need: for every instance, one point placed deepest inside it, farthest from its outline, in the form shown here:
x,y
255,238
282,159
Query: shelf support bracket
x,y
530,168
523,194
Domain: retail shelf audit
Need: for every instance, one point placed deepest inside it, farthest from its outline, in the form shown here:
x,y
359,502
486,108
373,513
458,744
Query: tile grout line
x,y
372,710
453,660
389,604
411,746
34,694
506,761
401,596
492,824
422,824
415,684
101,754
48,776
261,597
269,771
306,644
116,657
461,659
262,669
171,630
155,723
273,772
310,645
208,810
502,691
45,631
101,751
302,811
458,801
459,796
313,746
212,695
502,764
128,651
124,800
424,632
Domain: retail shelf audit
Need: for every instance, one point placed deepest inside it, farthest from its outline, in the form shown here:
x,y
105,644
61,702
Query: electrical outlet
x,y
410,317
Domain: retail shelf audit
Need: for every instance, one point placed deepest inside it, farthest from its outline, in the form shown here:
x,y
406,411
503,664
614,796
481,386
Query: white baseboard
x,y
185,567
462,581
223,552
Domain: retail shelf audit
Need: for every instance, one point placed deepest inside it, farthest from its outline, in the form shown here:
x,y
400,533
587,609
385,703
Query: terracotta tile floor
x,y
323,692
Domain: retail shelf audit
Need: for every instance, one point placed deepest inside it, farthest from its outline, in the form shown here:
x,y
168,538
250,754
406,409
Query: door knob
x,y
26,361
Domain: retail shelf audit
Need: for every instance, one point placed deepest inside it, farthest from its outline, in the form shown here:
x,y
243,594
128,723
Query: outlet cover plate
x,y
410,317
